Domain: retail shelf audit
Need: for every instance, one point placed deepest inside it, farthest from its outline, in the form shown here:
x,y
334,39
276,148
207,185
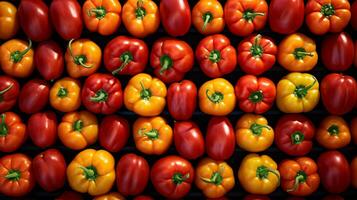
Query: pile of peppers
x,y
128,117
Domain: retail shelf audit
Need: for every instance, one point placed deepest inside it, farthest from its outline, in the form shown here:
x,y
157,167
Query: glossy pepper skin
x,y
9,24
16,177
82,57
141,17
333,133
175,17
113,133
172,176
297,92
102,16
77,130
256,54
16,58
214,178
126,56
253,133
216,97
294,134
145,95
102,94
244,17
92,172
171,59
216,56
9,91
35,20
182,99
207,17
42,129
255,94
49,170
297,53
299,177
65,95
49,60
327,16
152,136
66,18
344,95
258,174
354,15
34,96
12,132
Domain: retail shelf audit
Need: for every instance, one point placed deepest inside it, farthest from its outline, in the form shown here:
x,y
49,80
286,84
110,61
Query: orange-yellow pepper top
x,y
207,17
65,95
9,23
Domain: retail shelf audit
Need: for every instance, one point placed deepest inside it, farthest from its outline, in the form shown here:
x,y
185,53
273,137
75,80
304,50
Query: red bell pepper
x,y
255,94
42,129
175,17
102,94
256,54
48,60
216,56
354,15
339,93
9,91
12,132
294,134
181,99
34,96
126,56
113,133
171,59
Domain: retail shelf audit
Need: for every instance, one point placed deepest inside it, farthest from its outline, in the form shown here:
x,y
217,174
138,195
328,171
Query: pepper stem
x,y
178,178
263,172
215,56
79,59
62,92
256,96
207,17
300,53
153,134
125,58
297,137
90,172
333,130
216,97
249,15
327,10
99,12
4,130
17,56
258,128
78,125
100,96
299,178
2,92
144,93
166,63
301,91
140,11
13,175
256,50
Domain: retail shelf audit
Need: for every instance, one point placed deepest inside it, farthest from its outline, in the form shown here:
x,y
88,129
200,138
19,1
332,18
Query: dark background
x,y
193,37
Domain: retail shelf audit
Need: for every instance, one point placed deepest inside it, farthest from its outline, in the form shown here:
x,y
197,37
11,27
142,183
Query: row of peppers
x,y
93,171
142,17
171,58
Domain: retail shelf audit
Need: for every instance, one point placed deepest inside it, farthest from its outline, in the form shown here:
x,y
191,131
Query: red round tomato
x,y
42,129
113,133
34,96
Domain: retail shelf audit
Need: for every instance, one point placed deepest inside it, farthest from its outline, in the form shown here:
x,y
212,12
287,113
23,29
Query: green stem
x,y
13,175
216,178
166,63
207,18
215,56
153,134
301,91
249,15
125,58
17,56
178,178
299,178
144,93
78,125
257,50
297,137
4,129
333,130
99,12
100,96
140,11
256,96
327,10
90,172
62,92
216,97
263,172
300,53
6,89
258,128
78,59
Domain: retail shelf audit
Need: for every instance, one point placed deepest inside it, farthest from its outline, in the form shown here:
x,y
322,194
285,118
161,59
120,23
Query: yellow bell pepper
x,y
145,95
214,178
253,133
65,95
110,196
258,174
216,97
92,172
9,23
297,92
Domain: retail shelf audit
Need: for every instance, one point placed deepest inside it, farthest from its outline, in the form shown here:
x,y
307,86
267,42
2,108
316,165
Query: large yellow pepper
x,y
297,92
9,23
214,178
145,95
65,95
216,97
258,174
253,133
91,171
110,196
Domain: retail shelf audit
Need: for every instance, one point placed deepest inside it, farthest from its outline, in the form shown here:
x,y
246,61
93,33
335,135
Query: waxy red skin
x,y
34,96
42,129
10,90
175,16
114,132
49,60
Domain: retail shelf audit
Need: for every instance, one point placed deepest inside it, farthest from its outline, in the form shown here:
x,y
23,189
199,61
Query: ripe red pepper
x,y
113,133
181,99
354,15
34,96
189,141
339,93
216,56
171,59
9,91
294,134
175,17
12,132
102,93
172,176
126,56
48,60
256,54
49,170
255,94
42,129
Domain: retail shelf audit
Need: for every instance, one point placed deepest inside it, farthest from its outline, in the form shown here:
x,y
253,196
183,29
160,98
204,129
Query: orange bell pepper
x,y
297,53
9,24
141,17
65,95
102,16
110,196
253,133
214,178
16,58
333,133
216,97
82,57
78,130
207,17
152,135
145,95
